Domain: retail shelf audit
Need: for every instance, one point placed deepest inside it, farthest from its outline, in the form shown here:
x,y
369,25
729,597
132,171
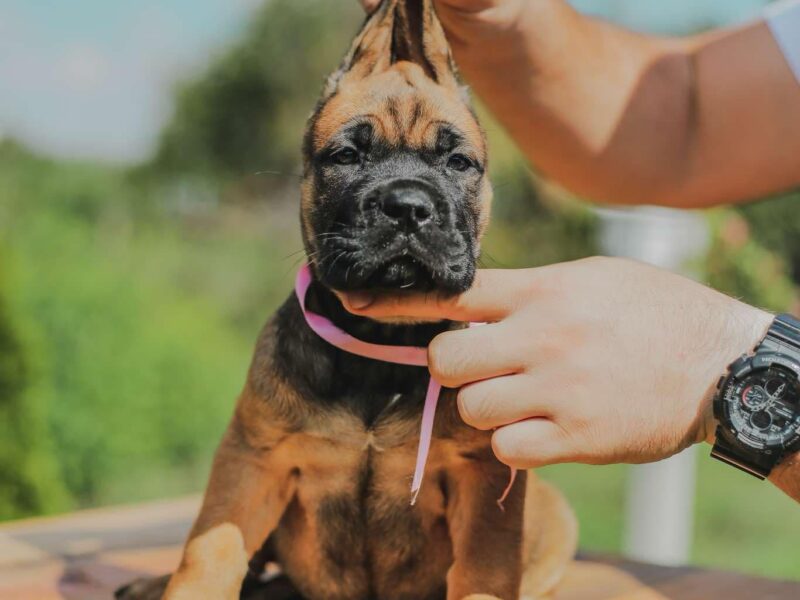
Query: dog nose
x,y
409,204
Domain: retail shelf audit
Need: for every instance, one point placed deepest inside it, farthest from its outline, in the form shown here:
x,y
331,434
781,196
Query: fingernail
x,y
360,300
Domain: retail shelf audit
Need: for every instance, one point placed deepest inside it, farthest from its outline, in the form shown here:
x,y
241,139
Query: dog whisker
x,y
496,263
333,264
293,254
279,174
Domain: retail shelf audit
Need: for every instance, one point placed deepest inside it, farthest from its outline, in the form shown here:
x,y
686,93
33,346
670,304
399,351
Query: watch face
x,y
763,407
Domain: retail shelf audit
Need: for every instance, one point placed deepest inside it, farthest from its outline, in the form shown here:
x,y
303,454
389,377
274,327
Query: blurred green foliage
x,y
740,523
138,368
246,113
775,223
130,299
27,482
742,267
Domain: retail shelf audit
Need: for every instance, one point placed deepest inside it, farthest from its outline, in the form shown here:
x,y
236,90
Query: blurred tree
x,y
28,482
775,223
739,264
245,114
115,380
531,226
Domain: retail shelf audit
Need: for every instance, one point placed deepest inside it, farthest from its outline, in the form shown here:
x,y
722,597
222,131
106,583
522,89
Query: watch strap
x,y
750,461
783,337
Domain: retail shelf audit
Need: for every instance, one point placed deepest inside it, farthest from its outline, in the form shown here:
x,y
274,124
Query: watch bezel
x,y
740,369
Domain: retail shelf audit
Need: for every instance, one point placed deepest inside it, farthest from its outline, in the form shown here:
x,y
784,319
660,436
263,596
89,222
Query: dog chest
x,y
352,525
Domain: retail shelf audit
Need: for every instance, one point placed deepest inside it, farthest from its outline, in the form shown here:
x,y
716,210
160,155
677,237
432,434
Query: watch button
x,y
719,383
738,363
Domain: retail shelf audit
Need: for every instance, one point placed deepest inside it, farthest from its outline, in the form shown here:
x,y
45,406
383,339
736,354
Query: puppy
x,y
313,472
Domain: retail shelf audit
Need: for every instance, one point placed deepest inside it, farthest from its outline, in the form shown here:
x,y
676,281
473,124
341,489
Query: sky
x,y
93,79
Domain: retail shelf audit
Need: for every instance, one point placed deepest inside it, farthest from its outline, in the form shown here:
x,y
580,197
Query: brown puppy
x,y
314,470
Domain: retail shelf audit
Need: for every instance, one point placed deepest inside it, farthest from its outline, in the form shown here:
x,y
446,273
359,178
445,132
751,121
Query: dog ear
x,y
418,37
398,30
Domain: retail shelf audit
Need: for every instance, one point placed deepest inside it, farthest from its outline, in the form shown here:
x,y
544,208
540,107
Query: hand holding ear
x,y
596,361
458,14
463,5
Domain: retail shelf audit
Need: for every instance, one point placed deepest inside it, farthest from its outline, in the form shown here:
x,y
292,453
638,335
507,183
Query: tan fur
x,y
251,486
551,536
214,564
388,100
406,86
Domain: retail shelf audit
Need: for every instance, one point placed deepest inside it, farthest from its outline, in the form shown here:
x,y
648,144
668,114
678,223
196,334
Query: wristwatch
x,y
758,403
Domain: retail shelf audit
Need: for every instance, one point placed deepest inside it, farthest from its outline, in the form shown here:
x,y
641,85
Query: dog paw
x,y
143,589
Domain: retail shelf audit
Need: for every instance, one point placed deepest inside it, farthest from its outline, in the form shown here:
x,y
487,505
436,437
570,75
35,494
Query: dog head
x,y
395,194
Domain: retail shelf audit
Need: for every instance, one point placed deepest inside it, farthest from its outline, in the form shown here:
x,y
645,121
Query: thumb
x,y
494,294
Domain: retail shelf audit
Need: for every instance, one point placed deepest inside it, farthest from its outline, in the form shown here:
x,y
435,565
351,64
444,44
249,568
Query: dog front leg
x,y
487,540
245,499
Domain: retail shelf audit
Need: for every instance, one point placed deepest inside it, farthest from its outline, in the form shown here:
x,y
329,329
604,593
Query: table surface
x,y
86,555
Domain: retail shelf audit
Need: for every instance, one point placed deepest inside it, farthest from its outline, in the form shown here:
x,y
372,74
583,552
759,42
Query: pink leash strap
x,y
403,355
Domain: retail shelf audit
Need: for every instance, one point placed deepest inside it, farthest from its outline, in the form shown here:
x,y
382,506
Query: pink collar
x,y
402,355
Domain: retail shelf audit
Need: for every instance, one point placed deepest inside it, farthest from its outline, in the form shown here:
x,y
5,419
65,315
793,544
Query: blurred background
x,y
148,227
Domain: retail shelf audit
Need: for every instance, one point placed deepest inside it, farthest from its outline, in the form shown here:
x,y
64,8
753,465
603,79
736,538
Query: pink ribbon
x,y
402,355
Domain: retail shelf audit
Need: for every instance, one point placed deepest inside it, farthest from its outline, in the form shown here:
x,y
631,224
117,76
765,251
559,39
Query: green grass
x,y
740,523
744,524
597,494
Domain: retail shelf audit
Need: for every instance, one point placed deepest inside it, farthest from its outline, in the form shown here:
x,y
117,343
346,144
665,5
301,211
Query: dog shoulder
x,y
269,407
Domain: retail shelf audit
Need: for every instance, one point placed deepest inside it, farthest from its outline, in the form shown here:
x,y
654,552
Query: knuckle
x,y
437,355
474,407
443,360
529,448
594,260
507,448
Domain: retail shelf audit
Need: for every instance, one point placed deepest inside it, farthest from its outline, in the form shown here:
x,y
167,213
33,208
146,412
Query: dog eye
x,y
458,162
346,156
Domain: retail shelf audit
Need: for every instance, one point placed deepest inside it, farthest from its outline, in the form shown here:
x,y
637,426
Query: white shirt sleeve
x,y
783,19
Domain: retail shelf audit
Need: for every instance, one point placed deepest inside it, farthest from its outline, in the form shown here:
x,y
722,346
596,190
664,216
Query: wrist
x,y
745,328
786,476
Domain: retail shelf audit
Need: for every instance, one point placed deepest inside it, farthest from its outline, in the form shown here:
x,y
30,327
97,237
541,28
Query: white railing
x,y
660,496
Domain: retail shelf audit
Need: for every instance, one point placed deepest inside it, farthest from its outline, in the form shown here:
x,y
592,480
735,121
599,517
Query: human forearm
x,y
603,111
620,117
747,122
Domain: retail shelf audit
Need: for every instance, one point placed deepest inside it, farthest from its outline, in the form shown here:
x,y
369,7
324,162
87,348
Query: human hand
x,y
596,361
465,19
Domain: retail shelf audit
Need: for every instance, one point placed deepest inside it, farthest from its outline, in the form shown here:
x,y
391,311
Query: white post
x,y
659,505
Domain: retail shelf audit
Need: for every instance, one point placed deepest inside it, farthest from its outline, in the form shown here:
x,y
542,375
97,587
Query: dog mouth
x,y
403,269
402,273
408,240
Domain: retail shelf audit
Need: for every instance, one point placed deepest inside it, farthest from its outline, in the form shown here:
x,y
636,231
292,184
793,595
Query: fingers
x,y
466,6
532,443
459,357
493,296
501,401
370,5
470,6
